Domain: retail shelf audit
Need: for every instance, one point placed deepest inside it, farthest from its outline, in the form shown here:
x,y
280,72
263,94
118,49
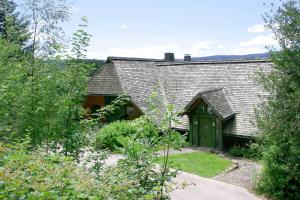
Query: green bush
x,y
237,151
110,135
44,176
251,151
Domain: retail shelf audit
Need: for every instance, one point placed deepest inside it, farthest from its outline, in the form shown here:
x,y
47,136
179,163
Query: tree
x,y
12,27
41,92
279,118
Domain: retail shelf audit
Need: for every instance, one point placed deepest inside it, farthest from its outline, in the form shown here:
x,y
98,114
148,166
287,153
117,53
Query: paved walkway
x,y
208,189
203,188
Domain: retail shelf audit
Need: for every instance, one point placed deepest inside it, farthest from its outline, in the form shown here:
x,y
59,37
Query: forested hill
x,y
233,57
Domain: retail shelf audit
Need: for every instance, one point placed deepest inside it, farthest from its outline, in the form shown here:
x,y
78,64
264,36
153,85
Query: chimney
x,y
187,58
169,57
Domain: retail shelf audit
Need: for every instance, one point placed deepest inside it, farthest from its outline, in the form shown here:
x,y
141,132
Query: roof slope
x,y
182,82
138,79
105,82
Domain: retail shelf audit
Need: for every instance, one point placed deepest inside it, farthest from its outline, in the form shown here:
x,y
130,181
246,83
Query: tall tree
x,y
13,27
45,17
279,119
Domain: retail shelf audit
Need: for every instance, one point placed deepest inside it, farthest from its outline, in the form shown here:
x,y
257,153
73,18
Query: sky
x,y
149,28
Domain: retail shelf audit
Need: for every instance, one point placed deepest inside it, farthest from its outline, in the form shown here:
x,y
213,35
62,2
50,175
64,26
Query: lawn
x,y
199,163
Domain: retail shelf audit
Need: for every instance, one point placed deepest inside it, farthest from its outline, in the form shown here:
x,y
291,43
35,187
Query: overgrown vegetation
x,y
42,90
38,175
139,142
110,136
279,118
251,150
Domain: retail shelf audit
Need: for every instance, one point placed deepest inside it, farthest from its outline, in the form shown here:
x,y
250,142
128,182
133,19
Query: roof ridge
x,y
214,62
111,58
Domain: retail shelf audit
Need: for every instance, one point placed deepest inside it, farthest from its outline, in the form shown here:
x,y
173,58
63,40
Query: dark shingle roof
x,y
105,82
179,83
184,81
217,100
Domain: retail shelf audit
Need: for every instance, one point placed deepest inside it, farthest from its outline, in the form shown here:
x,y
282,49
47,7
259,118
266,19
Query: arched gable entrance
x,y
206,111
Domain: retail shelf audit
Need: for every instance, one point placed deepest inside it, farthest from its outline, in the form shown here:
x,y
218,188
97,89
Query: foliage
x,y
42,91
279,118
252,150
136,175
13,28
200,163
45,18
154,129
38,175
110,135
42,96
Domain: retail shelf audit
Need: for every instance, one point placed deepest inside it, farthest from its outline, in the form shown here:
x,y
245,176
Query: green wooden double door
x,y
203,131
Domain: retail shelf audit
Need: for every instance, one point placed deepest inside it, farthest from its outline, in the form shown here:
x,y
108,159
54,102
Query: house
x,y
219,98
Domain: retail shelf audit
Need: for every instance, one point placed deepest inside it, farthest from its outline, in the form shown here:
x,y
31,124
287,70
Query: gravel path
x,y
243,176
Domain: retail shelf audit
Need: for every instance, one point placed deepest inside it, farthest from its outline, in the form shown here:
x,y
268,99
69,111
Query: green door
x,y
203,127
207,131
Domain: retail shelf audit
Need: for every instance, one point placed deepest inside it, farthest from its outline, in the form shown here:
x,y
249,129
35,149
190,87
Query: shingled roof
x,y
217,100
228,87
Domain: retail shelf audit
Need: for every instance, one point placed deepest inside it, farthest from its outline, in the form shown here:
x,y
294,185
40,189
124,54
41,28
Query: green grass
x,y
199,163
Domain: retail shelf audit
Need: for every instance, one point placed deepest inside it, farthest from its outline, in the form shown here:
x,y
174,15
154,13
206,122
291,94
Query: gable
x,y
216,101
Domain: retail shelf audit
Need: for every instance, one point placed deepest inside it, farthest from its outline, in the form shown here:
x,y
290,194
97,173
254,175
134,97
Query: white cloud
x,y
248,50
261,40
220,46
124,26
155,51
257,28
257,44
196,49
200,48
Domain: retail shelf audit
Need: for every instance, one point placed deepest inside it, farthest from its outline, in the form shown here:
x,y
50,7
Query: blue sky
x,y
148,28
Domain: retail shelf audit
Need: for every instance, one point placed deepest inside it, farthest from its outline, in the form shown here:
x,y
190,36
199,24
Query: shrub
x,y
43,176
237,151
251,151
110,135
